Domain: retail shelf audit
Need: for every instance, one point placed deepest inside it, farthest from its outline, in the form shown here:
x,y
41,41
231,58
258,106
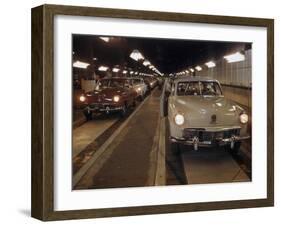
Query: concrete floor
x,y
211,165
86,133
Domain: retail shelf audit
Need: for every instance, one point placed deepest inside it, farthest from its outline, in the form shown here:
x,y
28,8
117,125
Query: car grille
x,y
97,105
204,135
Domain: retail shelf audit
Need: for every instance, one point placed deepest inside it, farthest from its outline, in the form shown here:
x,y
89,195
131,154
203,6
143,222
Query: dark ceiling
x,y
167,55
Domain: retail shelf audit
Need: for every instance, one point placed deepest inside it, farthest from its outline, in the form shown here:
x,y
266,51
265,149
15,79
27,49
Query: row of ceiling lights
x,y
79,64
232,58
116,70
137,56
125,71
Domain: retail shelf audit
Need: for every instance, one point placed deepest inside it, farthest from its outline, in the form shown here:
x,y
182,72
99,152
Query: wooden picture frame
x,y
43,110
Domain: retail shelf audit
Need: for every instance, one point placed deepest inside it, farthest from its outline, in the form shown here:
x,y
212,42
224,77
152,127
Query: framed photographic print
x,y
141,112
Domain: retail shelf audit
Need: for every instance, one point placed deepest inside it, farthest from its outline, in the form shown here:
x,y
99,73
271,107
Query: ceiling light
x,y
146,63
105,39
198,68
236,57
103,68
136,55
80,64
210,64
115,69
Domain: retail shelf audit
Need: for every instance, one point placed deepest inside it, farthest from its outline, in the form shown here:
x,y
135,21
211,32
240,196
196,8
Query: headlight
x,y
244,118
179,119
82,98
116,98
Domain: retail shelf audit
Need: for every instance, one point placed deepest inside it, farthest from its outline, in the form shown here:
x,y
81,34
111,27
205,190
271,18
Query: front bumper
x,y
210,138
103,107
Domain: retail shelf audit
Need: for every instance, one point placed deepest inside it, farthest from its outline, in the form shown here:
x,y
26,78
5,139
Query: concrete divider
x,y
160,176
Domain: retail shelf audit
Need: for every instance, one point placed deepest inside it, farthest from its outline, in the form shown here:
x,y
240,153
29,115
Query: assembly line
x,y
155,112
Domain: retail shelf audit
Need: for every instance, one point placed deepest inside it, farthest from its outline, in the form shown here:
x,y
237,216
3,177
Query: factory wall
x,y
235,78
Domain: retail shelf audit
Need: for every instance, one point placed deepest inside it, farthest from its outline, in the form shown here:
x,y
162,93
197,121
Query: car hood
x,y
206,111
104,94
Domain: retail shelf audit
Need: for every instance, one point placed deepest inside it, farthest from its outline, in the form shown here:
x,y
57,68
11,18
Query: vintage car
x,y
151,81
200,116
139,86
160,82
110,95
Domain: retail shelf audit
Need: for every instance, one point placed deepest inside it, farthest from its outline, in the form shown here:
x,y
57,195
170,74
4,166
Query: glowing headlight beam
x,y
82,98
179,119
116,98
244,118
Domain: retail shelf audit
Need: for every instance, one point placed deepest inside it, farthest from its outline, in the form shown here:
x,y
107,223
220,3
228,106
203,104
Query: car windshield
x,y
204,88
110,83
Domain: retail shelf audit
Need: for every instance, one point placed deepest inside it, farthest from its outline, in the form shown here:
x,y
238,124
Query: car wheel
x,y
124,111
175,149
88,115
134,104
141,98
235,149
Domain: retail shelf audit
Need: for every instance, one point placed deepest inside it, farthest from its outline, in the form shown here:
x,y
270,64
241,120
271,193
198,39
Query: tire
x,y
134,104
124,111
235,149
141,97
174,147
88,115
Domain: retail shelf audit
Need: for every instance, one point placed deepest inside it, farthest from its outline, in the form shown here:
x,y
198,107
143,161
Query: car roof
x,y
135,78
195,79
115,78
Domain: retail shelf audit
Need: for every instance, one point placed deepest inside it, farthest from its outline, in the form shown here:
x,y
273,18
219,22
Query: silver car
x,y
200,116
139,86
